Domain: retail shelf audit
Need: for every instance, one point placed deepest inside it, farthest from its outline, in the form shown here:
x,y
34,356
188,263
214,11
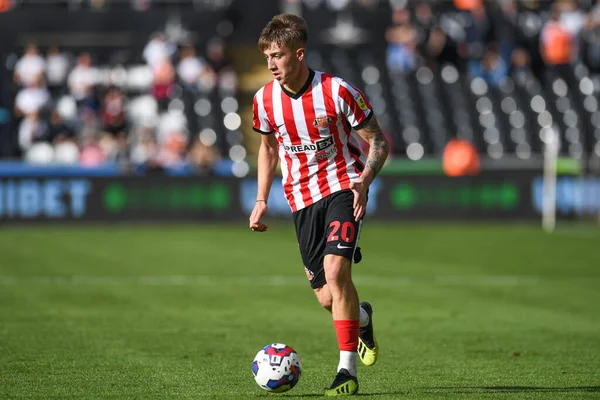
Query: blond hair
x,y
285,30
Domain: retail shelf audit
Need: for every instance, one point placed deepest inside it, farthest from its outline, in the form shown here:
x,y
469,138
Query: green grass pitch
x,y
150,312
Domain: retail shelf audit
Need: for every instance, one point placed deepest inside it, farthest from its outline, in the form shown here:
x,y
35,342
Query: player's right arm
x,y
267,165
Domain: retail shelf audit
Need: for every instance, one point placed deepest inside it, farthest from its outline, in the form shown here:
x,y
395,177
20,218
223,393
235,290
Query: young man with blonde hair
x,y
306,120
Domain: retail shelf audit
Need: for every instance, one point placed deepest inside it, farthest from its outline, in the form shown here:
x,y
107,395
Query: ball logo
x,y
322,122
361,103
277,368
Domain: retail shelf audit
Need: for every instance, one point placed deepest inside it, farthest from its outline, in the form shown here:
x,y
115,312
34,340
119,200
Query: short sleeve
x,y
260,120
354,105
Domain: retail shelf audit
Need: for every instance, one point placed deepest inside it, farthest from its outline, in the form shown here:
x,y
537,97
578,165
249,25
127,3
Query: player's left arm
x,y
360,116
378,151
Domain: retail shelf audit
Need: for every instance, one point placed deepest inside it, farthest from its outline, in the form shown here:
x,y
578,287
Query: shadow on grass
x,y
355,395
513,389
462,390
321,394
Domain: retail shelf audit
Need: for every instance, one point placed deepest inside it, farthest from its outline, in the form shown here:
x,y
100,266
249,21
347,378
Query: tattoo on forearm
x,y
379,145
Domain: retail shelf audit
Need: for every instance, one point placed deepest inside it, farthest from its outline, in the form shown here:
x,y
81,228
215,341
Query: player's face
x,y
284,63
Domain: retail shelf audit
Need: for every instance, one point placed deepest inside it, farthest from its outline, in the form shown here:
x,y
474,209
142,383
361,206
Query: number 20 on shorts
x,y
345,230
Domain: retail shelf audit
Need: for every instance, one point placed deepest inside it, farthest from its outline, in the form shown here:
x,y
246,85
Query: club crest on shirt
x,y
322,122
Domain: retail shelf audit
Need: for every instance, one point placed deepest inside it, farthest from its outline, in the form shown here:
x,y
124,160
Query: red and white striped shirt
x,y
319,152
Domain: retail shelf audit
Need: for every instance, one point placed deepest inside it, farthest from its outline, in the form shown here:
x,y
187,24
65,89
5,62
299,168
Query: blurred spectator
x,y
478,30
192,70
32,129
109,145
440,48
119,152
30,67
221,65
572,18
172,150
424,15
506,23
59,131
401,38
164,77
492,67
521,70
88,121
423,21
556,44
92,154
203,157
217,59
557,47
157,49
432,42
113,111
82,81
145,149
591,39
57,69
32,99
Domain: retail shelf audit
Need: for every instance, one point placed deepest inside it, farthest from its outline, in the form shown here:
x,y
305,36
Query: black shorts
x,y
327,227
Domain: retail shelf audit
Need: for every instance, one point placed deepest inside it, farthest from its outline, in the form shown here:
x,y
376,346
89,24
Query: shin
x,y
344,297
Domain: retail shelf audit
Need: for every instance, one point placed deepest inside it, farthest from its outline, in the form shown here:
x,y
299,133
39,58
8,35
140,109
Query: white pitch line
x,y
285,280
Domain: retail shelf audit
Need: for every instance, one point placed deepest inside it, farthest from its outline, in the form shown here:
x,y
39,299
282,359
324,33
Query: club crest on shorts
x,y
322,121
309,274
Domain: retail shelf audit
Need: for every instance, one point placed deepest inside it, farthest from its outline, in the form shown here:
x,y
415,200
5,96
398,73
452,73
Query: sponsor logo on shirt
x,y
361,103
318,146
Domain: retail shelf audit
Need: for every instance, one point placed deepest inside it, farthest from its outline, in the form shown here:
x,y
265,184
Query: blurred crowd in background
x,y
492,40
531,68
131,114
167,107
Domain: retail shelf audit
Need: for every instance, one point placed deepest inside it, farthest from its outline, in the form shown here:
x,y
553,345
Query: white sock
x,y
364,318
348,361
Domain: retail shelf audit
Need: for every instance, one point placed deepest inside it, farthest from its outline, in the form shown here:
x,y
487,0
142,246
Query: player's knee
x,y
337,270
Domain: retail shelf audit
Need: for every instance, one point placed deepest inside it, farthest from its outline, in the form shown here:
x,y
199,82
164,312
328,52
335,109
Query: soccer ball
x,y
277,368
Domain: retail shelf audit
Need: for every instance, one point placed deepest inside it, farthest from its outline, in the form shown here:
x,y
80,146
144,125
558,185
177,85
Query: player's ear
x,y
300,53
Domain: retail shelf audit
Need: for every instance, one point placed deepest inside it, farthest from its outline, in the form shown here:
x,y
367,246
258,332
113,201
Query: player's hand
x,y
260,209
359,189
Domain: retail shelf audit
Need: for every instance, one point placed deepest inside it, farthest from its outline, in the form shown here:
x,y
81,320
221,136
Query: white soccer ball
x,y
277,368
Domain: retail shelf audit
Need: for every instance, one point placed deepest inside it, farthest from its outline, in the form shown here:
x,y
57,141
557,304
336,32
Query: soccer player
x,y
305,119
